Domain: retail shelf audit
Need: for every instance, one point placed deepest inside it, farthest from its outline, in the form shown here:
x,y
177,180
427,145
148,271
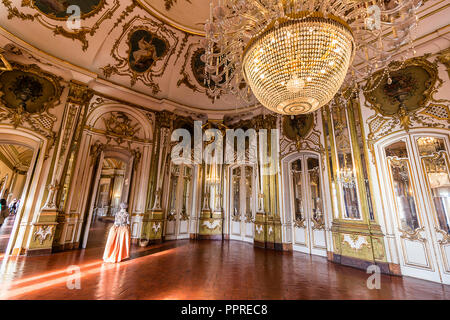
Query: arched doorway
x,y
110,187
304,202
414,172
27,147
15,163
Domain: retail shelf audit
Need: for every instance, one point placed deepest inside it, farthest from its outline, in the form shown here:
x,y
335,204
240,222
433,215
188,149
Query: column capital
x,y
79,93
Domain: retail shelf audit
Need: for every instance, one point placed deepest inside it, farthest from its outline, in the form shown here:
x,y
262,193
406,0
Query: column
x,y
267,221
153,221
50,223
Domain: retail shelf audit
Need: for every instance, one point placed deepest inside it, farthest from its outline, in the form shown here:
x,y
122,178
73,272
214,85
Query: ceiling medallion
x,y
295,55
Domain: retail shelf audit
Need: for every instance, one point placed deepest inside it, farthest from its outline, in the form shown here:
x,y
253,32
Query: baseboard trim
x,y
38,252
385,267
210,237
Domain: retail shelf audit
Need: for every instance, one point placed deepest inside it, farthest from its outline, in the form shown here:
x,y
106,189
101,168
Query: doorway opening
x,y
242,204
304,203
112,189
15,162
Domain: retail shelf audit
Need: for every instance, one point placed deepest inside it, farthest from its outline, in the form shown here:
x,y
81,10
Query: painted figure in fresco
x,y
403,85
119,240
57,6
145,49
146,52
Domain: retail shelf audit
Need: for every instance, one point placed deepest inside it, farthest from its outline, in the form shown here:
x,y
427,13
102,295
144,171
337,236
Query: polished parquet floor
x,y
198,270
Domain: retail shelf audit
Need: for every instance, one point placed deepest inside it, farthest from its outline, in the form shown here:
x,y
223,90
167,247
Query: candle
x,y
210,11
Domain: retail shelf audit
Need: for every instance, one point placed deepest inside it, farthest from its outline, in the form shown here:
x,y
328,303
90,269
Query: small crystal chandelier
x,y
293,56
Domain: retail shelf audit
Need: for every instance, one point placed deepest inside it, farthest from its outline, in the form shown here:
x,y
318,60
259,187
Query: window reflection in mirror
x,y
435,163
314,183
296,169
236,191
173,189
397,155
248,192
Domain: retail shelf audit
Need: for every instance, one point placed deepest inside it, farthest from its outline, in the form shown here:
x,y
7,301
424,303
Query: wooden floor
x,y
198,270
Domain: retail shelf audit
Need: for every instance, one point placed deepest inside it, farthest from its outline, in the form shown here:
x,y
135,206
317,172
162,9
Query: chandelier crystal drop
x,y
294,56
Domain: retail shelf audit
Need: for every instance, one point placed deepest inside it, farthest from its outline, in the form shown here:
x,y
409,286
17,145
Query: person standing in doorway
x,y
3,211
16,207
12,207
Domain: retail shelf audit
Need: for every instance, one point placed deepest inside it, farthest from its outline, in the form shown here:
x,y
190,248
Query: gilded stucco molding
x,y
144,59
79,94
192,71
310,141
428,112
444,58
27,94
413,235
58,24
4,64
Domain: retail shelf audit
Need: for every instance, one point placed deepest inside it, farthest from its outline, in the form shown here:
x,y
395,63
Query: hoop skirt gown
x,y
118,243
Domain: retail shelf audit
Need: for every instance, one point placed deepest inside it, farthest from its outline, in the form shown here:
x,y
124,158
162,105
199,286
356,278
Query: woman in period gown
x,y
118,243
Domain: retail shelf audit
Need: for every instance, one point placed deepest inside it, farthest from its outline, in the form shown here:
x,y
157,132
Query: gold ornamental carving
x,y
193,71
42,233
79,94
164,119
412,235
444,58
54,17
142,52
299,223
445,236
120,126
406,100
27,94
4,64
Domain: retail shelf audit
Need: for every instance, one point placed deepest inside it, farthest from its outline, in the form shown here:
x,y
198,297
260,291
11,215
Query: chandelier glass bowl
x,y
298,65
293,56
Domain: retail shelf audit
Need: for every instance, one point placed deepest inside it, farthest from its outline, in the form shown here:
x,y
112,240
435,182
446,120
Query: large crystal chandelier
x,y
293,56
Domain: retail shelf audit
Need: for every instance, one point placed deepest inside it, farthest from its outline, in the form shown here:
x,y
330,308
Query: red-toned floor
x,y
199,270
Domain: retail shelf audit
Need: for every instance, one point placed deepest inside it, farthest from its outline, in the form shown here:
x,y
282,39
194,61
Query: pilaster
x,y
52,221
357,240
154,217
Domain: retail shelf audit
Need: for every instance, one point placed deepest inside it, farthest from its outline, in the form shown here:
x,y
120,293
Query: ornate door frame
x,y
178,224
423,253
312,232
30,191
121,154
244,223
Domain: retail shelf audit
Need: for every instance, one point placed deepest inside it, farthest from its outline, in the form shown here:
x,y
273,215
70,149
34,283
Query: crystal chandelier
x,y
293,56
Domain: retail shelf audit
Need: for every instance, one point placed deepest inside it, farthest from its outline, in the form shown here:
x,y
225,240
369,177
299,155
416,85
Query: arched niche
x,y
33,192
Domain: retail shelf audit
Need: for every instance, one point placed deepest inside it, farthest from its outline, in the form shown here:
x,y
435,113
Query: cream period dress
x,y
118,243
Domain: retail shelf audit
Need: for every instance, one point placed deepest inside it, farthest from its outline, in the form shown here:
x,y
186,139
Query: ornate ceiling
x,y
148,50
173,12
